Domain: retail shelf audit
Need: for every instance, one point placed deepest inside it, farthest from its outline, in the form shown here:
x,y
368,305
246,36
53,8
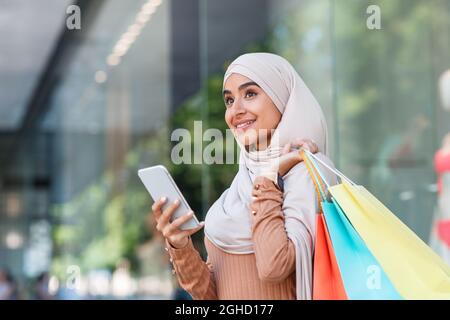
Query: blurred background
x,y
81,110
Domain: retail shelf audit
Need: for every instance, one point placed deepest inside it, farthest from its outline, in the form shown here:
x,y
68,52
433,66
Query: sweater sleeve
x,y
274,251
193,274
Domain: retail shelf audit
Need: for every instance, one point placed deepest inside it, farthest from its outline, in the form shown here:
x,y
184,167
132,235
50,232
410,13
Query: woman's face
x,y
250,113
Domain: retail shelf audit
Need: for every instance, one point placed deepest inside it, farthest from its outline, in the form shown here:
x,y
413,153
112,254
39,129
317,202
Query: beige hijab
x,y
228,223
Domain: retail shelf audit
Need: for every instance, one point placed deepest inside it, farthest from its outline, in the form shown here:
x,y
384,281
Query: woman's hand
x,y
171,230
290,157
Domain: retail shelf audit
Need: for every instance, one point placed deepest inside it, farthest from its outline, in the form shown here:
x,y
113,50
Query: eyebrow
x,y
242,86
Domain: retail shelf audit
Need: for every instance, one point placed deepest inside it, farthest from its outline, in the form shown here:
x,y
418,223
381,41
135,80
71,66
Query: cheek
x,y
272,120
228,118
261,108
257,106
268,119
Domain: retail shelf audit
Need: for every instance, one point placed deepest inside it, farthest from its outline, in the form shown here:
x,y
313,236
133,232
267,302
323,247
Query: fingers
x,y
314,147
176,236
192,231
286,149
306,144
179,221
156,207
165,216
298,143
172,230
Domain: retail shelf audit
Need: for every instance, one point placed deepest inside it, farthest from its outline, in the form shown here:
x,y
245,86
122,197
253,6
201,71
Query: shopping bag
x,y
327,281
362,275
413,268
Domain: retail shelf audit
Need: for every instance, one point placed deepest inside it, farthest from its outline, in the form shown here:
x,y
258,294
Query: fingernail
x,y
190,213
163,199
177,201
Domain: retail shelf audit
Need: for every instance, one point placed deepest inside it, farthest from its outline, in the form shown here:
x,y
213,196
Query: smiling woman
x,y
82,110
259,233
249,107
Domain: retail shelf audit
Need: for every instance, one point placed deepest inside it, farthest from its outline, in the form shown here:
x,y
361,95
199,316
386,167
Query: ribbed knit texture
x,y
268,273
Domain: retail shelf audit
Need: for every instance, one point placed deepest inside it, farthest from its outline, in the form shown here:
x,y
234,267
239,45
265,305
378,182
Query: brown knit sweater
x,y
268,273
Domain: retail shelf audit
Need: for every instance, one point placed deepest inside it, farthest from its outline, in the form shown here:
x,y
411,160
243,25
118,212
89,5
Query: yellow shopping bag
x,y
415,269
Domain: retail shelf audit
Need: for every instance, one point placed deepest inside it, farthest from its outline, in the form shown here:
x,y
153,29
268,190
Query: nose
x,y
238,108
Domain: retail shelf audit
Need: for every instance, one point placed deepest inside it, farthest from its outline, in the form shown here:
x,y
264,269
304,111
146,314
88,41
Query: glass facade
x,y
74,217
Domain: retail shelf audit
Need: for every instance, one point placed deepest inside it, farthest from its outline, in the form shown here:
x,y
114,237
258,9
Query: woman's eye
x,y
228,101
250,94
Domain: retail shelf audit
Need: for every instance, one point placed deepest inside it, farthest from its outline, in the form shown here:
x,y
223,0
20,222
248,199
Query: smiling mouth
x,y
245,125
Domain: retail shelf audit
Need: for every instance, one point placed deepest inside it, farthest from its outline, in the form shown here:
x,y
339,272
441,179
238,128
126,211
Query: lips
x,y
245,124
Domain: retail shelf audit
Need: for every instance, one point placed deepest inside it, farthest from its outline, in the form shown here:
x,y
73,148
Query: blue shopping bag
x,y
362,275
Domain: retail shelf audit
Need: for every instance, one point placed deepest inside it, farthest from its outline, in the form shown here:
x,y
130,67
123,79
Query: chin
x,y
246,141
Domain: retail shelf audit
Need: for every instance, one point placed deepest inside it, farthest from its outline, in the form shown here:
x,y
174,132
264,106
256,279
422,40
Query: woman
x,y
259,234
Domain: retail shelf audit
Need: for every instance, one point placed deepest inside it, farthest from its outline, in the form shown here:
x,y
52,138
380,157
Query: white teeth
x,y
244,124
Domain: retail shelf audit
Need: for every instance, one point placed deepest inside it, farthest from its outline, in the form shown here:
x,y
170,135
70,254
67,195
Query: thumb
x,y
305,145
192,231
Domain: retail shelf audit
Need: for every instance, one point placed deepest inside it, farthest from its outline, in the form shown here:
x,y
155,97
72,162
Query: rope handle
x,y
316,175
335,171
317,182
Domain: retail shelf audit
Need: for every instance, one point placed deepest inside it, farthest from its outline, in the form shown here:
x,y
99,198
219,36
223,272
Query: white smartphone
x,y
159,183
